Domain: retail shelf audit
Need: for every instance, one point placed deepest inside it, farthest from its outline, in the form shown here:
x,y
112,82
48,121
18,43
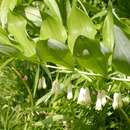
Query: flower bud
x,y
44,86
39,84
84,96
42,83
69,92
117,101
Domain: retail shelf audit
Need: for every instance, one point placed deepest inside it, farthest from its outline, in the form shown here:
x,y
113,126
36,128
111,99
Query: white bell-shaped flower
x,y
117,101
56,87
84,96
69,92
101,100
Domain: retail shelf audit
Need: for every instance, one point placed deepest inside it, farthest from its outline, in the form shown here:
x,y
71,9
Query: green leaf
x,y
68,8
44,99
4,40
33,14
53,9
52,26
89,54
53,29
49,120
47,71
55,52
124,24
121,54
17,27
4,37
79,24
36,79
8,50
6,63
6,5
108,34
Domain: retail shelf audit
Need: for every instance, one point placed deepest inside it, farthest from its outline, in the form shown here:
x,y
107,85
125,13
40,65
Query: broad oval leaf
x,y
121,54
79,24
5,40
55,52
52,28
17,27
89,55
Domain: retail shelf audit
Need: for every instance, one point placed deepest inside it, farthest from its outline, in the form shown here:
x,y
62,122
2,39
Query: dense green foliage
x,y
50,47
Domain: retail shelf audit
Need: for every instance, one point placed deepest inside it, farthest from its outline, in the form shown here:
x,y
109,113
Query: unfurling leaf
x,y
108,31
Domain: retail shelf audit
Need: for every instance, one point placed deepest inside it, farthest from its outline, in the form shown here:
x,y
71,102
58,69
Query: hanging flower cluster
x,y
84,97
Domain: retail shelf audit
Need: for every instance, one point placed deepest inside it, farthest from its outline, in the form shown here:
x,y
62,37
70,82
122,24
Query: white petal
x,y
81,98
98,105
69,93
88,97
56,87
117,101
69,96
115,105
99,102
103,98
44,83
104,101
84,96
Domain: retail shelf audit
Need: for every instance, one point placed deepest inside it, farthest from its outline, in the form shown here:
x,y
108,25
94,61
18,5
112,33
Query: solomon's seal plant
x,y
62,63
